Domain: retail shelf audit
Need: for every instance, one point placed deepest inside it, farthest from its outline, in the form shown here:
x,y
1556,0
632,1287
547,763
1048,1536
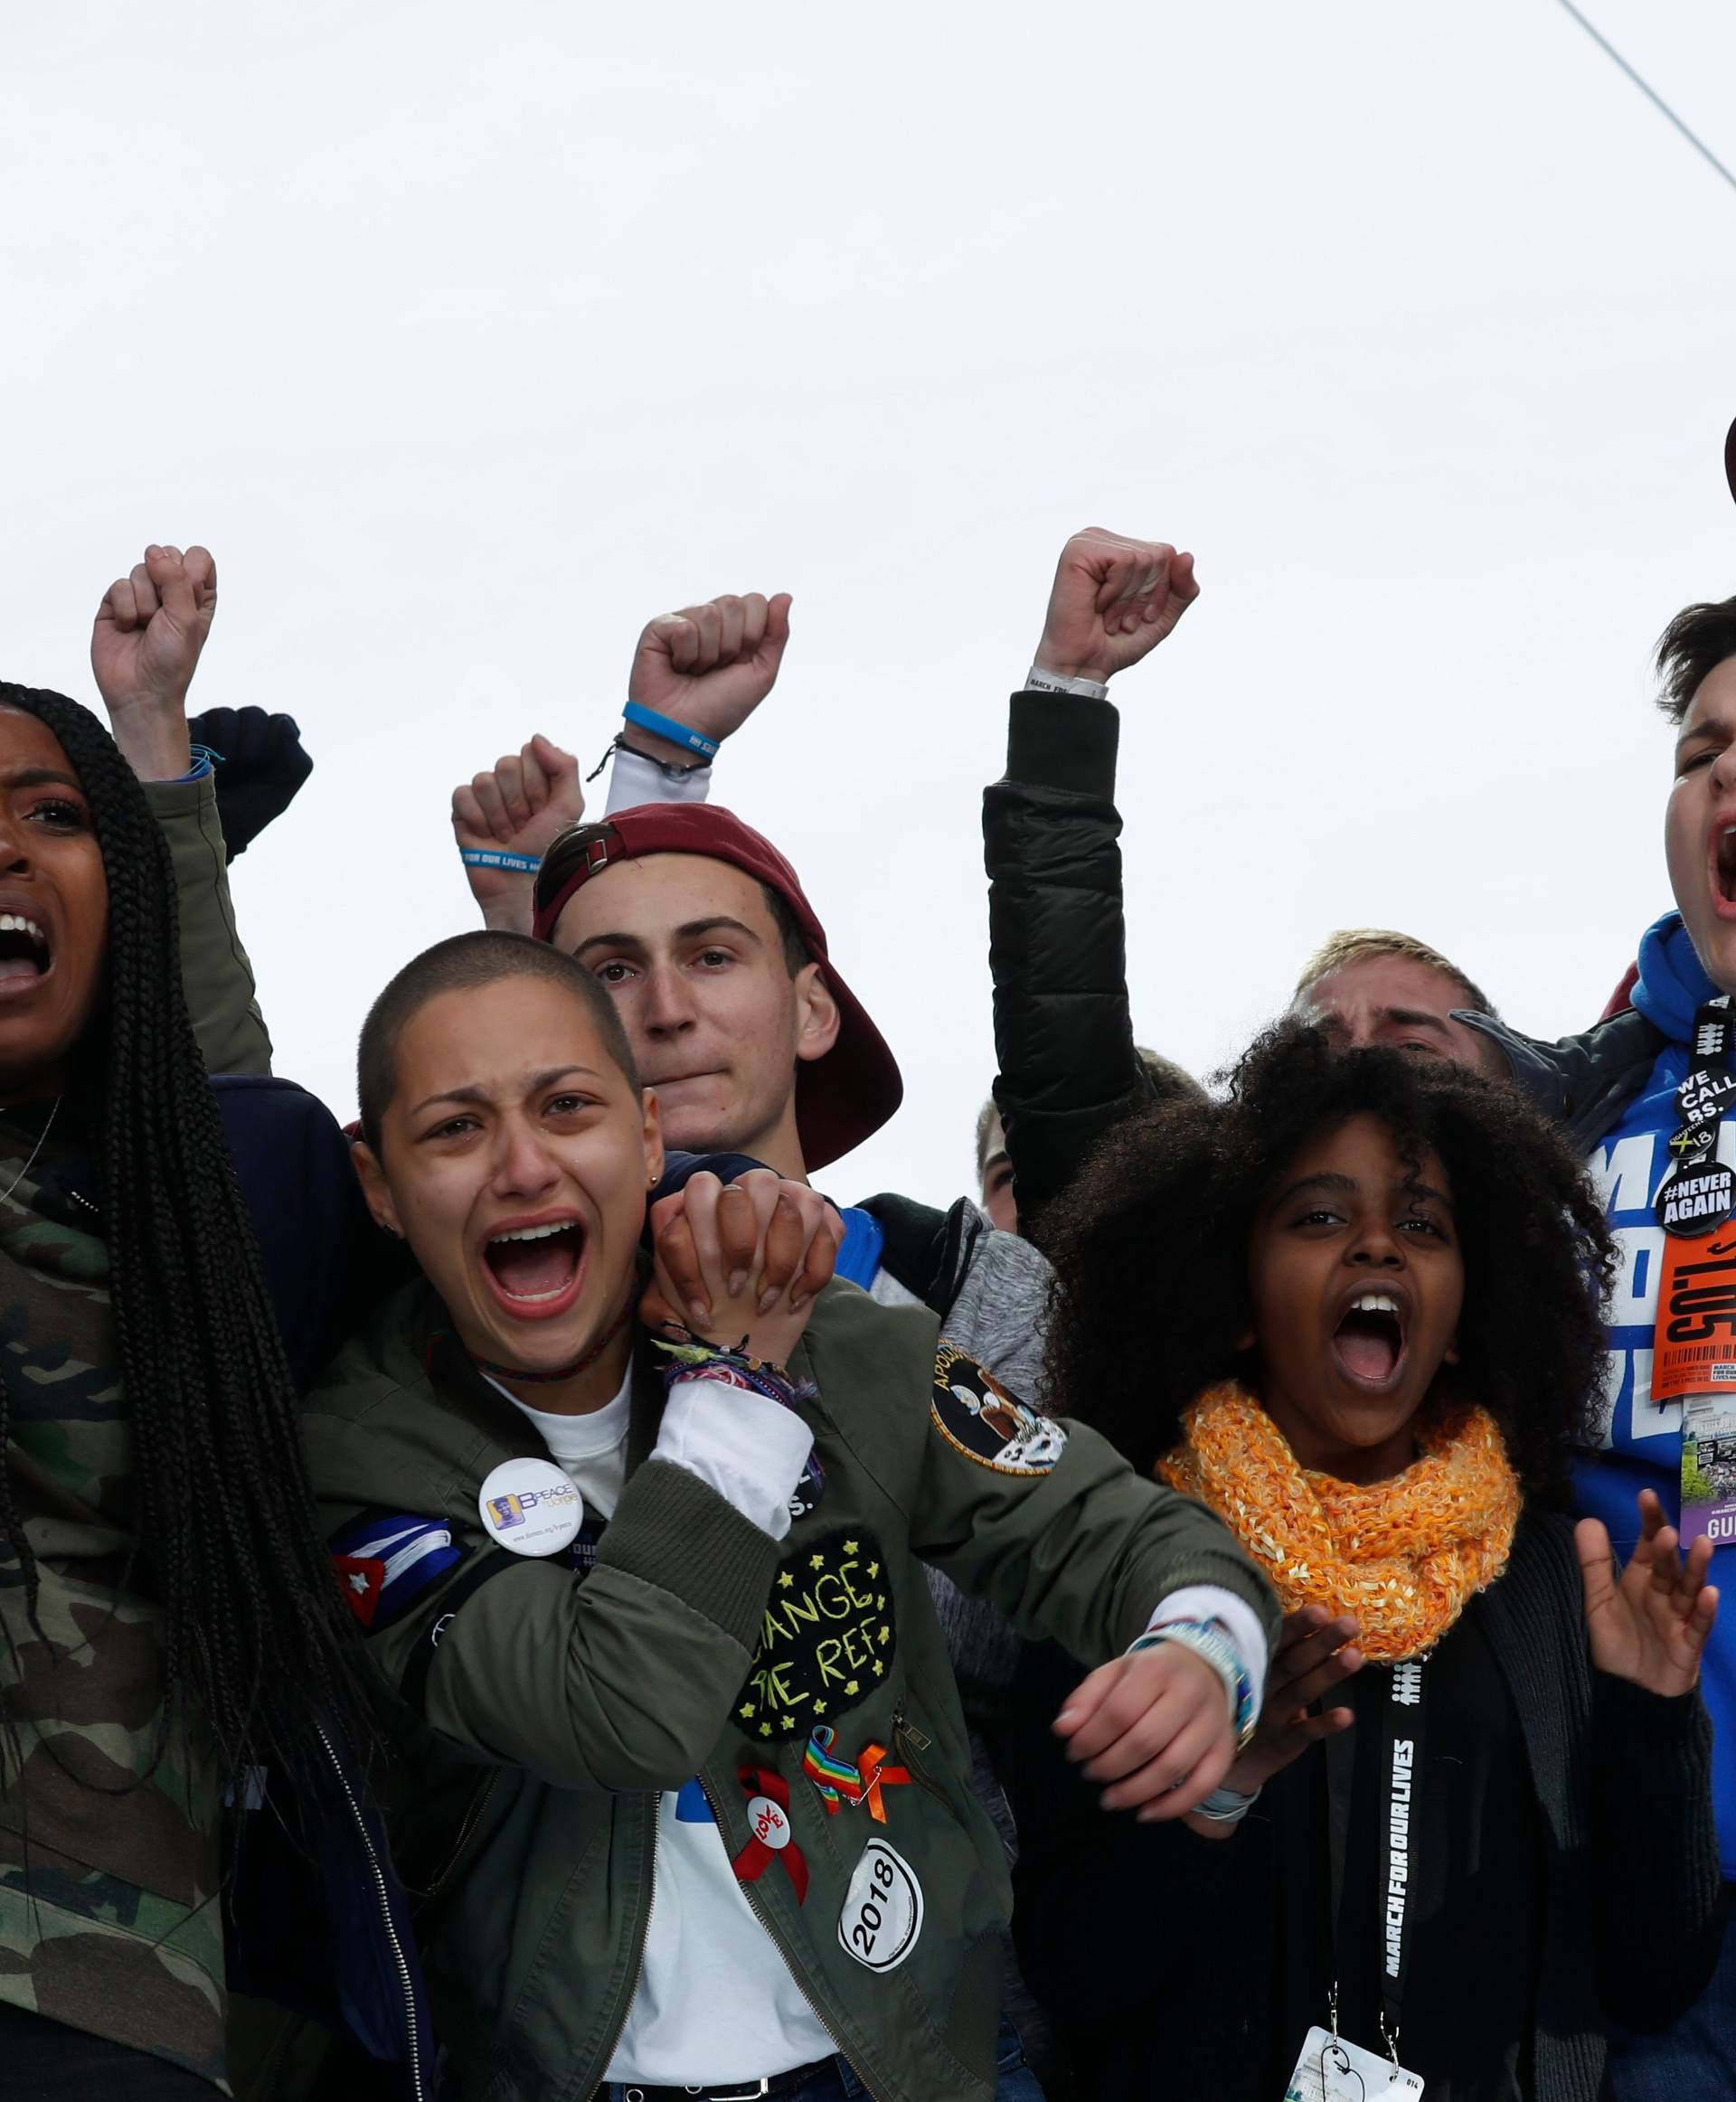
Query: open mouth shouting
x,y
1721,857
1368,1345
26,956
536,1267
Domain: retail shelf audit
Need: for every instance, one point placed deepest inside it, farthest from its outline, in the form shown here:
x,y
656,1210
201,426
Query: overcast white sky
x,y
468,338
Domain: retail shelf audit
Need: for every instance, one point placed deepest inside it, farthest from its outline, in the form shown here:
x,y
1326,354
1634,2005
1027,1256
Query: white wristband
x,y
1036,679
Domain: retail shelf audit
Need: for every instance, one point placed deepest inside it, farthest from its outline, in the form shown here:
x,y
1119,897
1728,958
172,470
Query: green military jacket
x,y
542,1712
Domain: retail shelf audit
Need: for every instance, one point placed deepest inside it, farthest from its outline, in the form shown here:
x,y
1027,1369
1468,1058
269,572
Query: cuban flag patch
x,y
384,1562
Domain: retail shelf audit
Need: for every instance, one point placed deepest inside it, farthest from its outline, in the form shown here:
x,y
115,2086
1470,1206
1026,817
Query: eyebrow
x,y
41,777
1414,1018
1347,1186
689,930
475,1092
1340,1185
1705,728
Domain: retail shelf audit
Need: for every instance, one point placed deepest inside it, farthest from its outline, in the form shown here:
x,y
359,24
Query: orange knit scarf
x,y
1402,1556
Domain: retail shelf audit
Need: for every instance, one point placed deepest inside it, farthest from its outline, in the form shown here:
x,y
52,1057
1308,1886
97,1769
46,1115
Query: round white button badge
x,y
768,1824
531,1507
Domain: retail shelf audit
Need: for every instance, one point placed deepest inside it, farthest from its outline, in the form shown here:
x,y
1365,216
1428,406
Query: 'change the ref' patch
x,y
827,1639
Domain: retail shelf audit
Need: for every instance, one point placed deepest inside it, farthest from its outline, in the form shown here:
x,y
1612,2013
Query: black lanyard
x,y
1401,1791
1699,1192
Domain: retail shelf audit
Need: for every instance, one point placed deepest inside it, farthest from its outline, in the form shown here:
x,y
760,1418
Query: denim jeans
x,y
1015,2082
1694,2058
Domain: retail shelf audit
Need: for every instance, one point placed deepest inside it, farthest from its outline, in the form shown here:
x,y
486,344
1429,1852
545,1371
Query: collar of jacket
x,y
1583,1082
1672,981
929,1252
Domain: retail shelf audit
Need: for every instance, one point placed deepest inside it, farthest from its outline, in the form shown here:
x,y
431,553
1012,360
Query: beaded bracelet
x,y
1208,1641
735,1367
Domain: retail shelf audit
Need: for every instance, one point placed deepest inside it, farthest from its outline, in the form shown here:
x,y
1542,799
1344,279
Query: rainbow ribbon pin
x,y
838,1781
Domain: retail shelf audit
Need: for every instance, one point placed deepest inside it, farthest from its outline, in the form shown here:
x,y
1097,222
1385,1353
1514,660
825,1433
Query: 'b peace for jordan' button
x,y
531,1507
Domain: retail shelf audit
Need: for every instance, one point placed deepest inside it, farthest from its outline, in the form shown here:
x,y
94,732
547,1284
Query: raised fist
x,y
1113,601
144,647
520,806
707,668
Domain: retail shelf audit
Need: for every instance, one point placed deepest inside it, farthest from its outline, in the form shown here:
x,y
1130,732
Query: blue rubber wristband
x,y
663,726
488,857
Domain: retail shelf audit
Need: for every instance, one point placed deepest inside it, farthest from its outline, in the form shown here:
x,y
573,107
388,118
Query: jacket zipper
x,y
638,1957
782,1948
473,1817
385,1914
909,1740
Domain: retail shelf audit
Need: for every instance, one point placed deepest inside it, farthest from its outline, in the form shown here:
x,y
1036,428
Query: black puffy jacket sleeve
x,y
1057,946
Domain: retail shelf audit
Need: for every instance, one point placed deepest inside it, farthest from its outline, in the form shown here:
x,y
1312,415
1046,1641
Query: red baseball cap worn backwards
x,y
841,1099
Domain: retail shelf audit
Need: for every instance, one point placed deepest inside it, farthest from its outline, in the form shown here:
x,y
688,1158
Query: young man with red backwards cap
x,y
721,969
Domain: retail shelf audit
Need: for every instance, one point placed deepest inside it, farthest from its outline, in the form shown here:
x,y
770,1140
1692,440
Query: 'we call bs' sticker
x,y
827,1639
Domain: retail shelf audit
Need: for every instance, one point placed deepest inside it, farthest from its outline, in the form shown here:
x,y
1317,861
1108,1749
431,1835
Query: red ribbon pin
x,y
770,1835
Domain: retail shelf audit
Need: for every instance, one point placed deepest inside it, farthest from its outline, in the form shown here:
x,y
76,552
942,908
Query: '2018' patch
x,y
972,1411
882,1908
827,1638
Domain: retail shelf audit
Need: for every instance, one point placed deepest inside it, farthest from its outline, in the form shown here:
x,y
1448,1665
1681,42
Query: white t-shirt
x,y
715,2000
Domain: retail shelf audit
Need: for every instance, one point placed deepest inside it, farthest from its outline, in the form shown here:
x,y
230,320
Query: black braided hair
x,y
254,1637
1150,1300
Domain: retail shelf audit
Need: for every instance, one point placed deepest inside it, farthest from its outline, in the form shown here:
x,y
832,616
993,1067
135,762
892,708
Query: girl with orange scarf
x,y
1354,1309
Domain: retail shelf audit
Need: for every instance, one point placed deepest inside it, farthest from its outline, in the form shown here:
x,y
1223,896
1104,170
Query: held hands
x,y
1156,1725
707,668
144,647
742,1260
1648,1624
520,806
1113,601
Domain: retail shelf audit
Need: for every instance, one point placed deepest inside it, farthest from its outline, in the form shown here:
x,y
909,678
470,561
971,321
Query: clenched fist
x,y
521,806
1113,601
707,668
144,647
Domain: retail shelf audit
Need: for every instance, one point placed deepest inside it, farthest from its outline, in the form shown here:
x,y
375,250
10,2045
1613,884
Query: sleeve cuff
x,y
185,796
633,780
1237,1618
748,1448
1071,749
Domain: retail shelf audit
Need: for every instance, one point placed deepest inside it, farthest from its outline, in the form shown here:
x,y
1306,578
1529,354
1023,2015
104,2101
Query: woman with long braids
x,y
168,1614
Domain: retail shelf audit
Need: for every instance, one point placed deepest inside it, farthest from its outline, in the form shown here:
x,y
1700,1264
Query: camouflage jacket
x,y
109,1865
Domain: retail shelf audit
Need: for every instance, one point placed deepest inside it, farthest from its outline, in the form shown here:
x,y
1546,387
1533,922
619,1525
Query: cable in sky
x,y
1699,144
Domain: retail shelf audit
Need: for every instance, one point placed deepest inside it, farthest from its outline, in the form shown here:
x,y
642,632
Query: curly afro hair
x,y
1150,1247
